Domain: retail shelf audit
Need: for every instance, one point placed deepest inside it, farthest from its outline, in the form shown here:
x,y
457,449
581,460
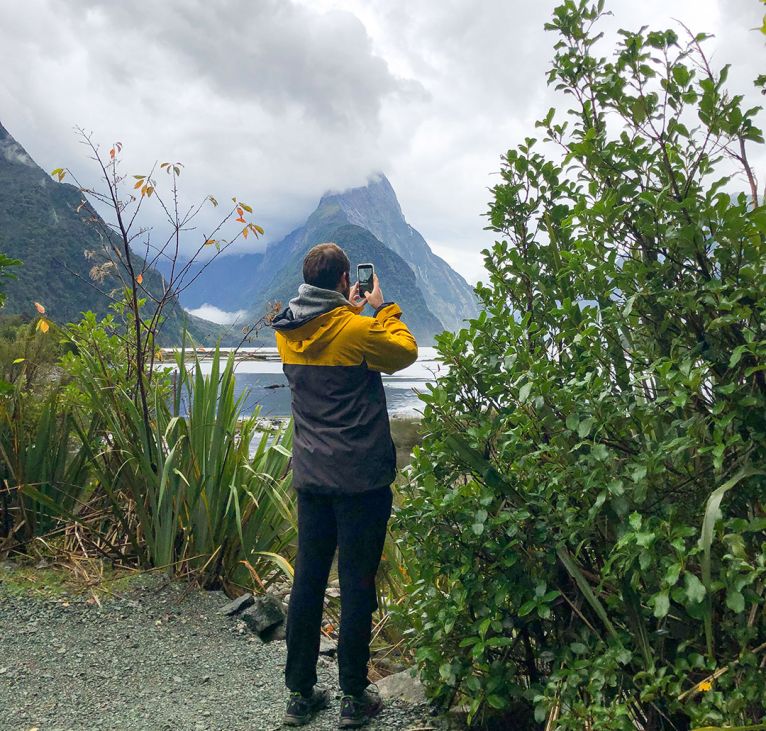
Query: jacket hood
x,y
312,301
310,321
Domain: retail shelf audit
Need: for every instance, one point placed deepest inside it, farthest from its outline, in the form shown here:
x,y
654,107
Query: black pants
x,y
356,524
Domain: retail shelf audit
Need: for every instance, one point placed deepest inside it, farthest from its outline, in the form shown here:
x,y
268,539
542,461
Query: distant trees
x,y
6,271
588,507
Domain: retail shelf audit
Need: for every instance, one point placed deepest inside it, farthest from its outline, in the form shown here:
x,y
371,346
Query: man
x,y
343,465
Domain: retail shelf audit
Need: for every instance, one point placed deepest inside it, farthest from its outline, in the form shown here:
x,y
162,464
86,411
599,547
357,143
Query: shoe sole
x,y
358,723
296,720
355,724
303,720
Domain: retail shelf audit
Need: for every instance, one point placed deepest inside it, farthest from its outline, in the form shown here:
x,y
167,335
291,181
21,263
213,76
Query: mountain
x,y
248,281
376,208
226,282
40,225
361,246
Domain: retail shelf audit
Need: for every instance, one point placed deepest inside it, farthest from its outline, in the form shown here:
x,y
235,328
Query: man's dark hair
x,y
324,265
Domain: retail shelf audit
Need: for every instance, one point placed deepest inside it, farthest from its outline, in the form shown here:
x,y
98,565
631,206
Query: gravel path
x,y
157,657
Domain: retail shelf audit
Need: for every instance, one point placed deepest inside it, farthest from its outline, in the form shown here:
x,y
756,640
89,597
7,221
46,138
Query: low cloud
x,y
280,100
217,315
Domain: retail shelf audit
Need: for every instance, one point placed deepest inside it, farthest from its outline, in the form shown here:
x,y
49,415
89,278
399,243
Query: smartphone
x,y
364,275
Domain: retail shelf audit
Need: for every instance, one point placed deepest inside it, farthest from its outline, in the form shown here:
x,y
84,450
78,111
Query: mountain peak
x,y
379,180
376,208
377,184
376,196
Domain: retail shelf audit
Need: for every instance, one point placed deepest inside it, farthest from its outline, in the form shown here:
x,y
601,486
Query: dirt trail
x,y
154,657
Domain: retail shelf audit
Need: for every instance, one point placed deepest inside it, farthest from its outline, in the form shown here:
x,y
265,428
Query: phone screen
x,y
364,274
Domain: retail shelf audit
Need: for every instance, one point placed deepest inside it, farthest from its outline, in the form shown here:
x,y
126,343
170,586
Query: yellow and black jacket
x,y
333,359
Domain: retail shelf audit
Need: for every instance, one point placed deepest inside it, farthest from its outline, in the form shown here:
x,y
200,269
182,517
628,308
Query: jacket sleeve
x,y
389,345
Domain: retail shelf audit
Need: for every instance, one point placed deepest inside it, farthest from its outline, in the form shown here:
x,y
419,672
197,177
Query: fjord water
x,y
266,385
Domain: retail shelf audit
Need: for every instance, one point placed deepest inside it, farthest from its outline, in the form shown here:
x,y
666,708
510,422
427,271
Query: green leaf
x,y
497,702
681,74
500,641
735,601
695,589
600,452
737,354
524,392
638,473
661,604
584,428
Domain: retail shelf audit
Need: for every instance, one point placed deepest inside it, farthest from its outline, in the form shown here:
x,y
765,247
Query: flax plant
x,y
186,494
44,468
238,507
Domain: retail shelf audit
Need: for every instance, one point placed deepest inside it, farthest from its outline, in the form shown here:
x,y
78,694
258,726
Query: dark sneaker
x,y
356,710
301,709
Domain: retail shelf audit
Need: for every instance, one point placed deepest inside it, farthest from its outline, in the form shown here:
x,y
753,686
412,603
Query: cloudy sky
x,y
277,101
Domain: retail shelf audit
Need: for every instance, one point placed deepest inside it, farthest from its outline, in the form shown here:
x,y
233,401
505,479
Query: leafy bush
x,y
587,507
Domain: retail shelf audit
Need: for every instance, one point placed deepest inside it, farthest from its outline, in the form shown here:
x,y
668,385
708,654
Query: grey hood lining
x,y
310,303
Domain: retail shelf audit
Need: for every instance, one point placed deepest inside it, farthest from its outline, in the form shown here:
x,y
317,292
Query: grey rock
x,y
274,634
387,666
327,647
237,605
402,686
265,613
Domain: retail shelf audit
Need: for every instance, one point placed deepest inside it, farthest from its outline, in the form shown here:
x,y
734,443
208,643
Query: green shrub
x,y
186,494
587,507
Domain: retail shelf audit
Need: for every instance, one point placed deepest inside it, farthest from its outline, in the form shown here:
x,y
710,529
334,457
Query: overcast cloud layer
x,y
278,100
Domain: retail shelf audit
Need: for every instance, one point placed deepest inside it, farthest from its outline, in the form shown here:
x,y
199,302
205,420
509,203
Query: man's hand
x,y
375,298
357,301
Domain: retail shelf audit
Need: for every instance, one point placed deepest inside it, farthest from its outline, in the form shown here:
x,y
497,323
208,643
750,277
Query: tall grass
x,y
43,471
44,468
237,506
195,490
187,493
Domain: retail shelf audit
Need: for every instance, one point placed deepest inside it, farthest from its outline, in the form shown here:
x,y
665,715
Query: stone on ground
x,y
327,647
238,605
402,686
265,613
